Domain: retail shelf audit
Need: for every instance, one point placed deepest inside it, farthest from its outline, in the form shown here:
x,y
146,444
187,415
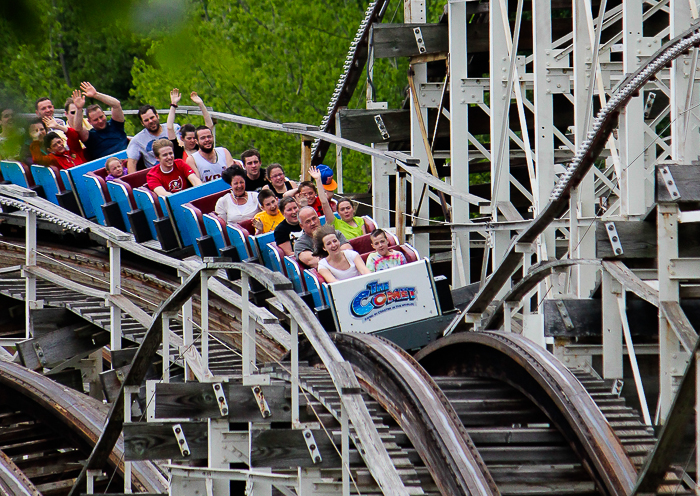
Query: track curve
x,y
512,359
72,415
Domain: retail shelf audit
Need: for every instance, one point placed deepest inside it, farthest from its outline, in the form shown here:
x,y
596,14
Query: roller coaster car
x,y
147,201
49,178
363,244
195,212
122,192
89,192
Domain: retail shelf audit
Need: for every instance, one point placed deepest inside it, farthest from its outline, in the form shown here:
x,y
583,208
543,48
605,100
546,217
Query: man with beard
x,y
209,162
106,136
141,145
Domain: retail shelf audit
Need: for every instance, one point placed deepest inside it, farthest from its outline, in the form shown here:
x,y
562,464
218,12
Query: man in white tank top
x,y
209,162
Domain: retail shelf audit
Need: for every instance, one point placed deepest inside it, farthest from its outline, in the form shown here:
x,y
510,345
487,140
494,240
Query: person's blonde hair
x,y
161,143
111,159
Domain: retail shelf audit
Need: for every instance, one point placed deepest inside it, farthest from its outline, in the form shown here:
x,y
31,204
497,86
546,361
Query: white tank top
x,y
207,170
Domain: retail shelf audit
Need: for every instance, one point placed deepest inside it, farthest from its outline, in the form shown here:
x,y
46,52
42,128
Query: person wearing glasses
x,y
72,112
278,183
106,136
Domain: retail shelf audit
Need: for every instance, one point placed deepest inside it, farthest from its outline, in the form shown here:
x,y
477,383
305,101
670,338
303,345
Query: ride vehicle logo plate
x,y
378,298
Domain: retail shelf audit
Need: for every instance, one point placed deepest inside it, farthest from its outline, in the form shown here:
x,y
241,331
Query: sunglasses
x,y
72,112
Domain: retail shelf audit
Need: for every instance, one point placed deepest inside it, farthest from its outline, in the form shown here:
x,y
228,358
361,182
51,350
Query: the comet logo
x,y
379,297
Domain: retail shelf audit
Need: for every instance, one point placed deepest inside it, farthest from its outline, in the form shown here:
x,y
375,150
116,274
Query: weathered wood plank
x,y
131,309
399,40
686,179
638,239
71,341
680,324
359,125
197,400
631,282
46,275
156,441
282,448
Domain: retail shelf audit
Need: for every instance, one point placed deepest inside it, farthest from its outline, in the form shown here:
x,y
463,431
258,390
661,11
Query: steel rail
x,y
82,415
411,397
549,384
12,479
581,164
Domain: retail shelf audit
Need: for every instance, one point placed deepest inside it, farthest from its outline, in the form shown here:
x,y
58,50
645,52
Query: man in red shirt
x,y
171,174
58,155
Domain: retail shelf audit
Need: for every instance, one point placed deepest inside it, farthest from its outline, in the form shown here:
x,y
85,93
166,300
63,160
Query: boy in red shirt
x,y
171,174
59,155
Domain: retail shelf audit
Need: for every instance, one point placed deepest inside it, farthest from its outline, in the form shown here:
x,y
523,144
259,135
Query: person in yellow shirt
x,y
270,216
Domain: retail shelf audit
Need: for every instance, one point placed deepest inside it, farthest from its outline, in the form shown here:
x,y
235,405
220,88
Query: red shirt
x,y
173,181
319,207
71,157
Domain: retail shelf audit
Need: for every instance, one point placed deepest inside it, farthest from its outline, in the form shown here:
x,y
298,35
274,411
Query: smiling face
x,y
97,119
166,157
270,205
205,140
277,177
238,186
56,147
308,193
44,109
150,121
331,243
37,131
8,118
291,213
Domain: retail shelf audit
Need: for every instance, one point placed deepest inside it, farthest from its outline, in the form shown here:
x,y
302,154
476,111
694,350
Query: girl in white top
x,y
237,205
336,264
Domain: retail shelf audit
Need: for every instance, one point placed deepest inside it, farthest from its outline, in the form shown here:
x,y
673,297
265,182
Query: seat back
x,y
362,244
369,222
122,191
75,179
409,252
215,227
271,256
147,201
193,223
294,273
313,281
174,206
97,192
257,241
239,239
49,178
247,225
17,173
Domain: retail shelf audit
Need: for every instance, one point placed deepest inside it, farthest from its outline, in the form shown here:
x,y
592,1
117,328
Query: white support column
x,y
500,104
115,289
669,345
248,332
294,334
459,146
166,346
345,448
415,12
217,456
338,156
382,175
612,328
187,334
633,173
204,312
128,391
582,239
30,280
685,145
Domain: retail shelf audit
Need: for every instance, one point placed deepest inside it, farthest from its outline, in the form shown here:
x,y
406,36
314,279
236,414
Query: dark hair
x,y
232,172
352,203
66,105
200,128
284,202
264,195
92,108
39,100
35,120
143,109
378,232
322,232
252,152
187,128
49,138
270,168
307,184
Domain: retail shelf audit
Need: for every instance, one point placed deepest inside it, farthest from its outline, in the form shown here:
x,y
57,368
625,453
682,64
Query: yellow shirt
x,y
269,222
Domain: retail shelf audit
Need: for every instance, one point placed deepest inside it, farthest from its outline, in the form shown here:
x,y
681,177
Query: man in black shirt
x,y
255,173
289,229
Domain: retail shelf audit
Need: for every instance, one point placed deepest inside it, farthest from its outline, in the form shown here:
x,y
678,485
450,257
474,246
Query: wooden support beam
x,y
156,441
638,240
360,125
306,142
400,40
631,282
686,179
680,324
283,448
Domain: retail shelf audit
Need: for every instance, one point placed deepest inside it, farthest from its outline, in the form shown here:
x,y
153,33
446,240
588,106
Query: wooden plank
x,y
131,309
638,240
631,282
680,324
686,179
156,441
509,211
57,346
359,125
399,40
197,400
46,275
45,320
283,448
